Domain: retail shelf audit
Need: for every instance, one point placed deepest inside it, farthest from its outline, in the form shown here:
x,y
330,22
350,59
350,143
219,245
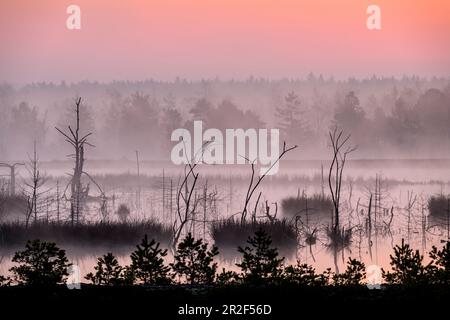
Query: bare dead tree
x,y
58,202
187,201
78,142
388,225
322,182
12,176
33,188
2,203
271,217
369,225
186,207
412,198
256,208
340,153
255,182
139,191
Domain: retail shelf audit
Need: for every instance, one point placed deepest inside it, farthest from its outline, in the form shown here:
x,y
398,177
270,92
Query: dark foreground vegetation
x,y
41,270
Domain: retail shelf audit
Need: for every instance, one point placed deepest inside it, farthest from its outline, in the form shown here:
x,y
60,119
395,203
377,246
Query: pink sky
x,y
162,39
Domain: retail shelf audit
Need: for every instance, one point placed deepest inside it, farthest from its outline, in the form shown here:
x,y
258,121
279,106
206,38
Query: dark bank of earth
x,y
286,302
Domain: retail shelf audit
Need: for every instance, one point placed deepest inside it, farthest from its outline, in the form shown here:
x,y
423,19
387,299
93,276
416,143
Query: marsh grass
x,y
97,234
339,239
12,205
316,204
438,206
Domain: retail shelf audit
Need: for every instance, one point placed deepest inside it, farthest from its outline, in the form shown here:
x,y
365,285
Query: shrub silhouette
x,y
305,275
339,239
353,275
439,267
438,206
194,262
260,262
147,263
407,268
4,281
123,212
41,264
226,278
108,272
317,204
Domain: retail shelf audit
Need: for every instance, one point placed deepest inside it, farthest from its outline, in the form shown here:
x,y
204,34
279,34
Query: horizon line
x,y
178,79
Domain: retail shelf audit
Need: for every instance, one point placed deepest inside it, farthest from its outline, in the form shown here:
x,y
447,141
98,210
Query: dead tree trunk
x,y
186,203
138,194
78,142
33,188
12,176
254,183
340,153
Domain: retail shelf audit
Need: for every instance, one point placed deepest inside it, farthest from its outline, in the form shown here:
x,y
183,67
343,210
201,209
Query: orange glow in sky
x,y
163,39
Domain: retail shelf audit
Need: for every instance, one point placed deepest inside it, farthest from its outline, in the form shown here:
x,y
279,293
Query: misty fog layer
x,y
387,118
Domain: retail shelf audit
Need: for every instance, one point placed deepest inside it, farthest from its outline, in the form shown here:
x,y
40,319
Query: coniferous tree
x,y
40,264
439,267
194,262
290,119
226,277
260,262
407,268
4,281
354,275
147,263
108,272
304,274
349,115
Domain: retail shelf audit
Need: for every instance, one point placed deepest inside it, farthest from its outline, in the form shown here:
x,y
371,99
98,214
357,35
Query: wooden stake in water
x,y
448,219
171,200
164,195
424,238
230,206
57,201
369,232
323,182
205,194
47,209
138,196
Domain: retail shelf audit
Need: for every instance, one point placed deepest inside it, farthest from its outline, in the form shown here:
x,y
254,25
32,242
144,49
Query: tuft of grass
x,y
438,206
96,234
339,239
311,237
317,205
11,206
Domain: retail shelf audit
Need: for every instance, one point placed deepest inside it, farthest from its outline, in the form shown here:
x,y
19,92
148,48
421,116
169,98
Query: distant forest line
x,y
387,117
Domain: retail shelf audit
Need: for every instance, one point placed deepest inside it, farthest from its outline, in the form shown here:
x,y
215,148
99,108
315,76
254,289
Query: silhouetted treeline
x,y
387,117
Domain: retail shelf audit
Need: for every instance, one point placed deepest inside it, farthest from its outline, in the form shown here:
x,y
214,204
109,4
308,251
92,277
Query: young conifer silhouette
x,y
147,263
41,264
108,272
260,262
407,267
194,262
